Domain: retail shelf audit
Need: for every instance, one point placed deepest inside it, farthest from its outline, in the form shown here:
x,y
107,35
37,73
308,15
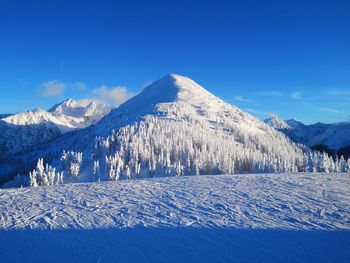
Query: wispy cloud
x,y
257,112
242,99
329,110
296,95
341,94
114,95
86,101
270,93
110,95
54,88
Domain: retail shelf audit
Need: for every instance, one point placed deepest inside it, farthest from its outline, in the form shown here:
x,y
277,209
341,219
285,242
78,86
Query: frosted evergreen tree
x,y
128,172
71,162
178,168
96,170
42,176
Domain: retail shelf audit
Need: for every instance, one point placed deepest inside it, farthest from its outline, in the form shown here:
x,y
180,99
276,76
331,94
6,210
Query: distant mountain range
x,y
19,132
23,133
173,127
332,138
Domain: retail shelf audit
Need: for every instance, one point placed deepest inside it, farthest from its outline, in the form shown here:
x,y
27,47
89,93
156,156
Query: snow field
x,y
226,218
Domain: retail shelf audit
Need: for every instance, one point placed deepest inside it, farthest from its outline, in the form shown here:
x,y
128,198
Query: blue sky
x,y
289,58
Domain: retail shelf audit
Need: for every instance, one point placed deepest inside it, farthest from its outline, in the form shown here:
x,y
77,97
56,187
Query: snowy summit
x,y
172,133
173,127
277,123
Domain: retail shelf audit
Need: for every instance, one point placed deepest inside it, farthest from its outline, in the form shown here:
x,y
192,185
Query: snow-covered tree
x,y
44,175
178,168
157,144
71,162
128,172
96,170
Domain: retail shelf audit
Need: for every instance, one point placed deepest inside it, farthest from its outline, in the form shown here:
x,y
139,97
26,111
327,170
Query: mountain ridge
x,y
24,130
173,127
167,129
332,138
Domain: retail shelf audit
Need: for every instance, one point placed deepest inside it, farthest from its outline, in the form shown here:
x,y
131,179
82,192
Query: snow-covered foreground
x,y
243,218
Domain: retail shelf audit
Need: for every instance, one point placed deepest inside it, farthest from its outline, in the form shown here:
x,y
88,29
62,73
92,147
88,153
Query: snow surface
x,y
27,130
173,103
35,117
172,100
81,113
242,218
68,115
173,92
277,123
334,136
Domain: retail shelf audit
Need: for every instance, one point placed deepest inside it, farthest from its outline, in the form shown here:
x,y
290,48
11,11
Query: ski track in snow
x,y
232,218
283,201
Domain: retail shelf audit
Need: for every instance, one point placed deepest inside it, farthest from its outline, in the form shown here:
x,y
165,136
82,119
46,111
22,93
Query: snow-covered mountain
x,y
173,127
277,123
38,116
28,129
81,113
330,137
4,115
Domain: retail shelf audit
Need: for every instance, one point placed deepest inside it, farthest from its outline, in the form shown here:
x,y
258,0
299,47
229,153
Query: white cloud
x,y
240,98
54,88
257,112
114,95
76,85
330,110
109,95
339,94
86,101
269,94
296,95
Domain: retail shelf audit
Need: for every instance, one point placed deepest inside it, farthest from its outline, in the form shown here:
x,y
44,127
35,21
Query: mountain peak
x,y
295,123
174,75
176,83
37,110
66,103
169,89
69,101
30,117
276,122
79,108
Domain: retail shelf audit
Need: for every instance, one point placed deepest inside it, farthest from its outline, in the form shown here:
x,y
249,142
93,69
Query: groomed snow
x,y
249,218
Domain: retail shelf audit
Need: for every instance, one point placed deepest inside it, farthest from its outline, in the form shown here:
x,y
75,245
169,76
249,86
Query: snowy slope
x,y
17,138
289,201
5,115
28,129
174,92
277,123
67,115
248,218
332,136
37,116
174,126
81,113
